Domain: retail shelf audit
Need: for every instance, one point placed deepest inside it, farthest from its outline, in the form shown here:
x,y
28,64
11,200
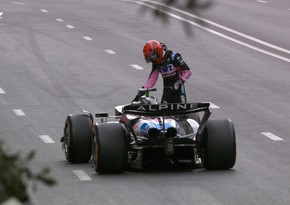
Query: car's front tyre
x,y
77,138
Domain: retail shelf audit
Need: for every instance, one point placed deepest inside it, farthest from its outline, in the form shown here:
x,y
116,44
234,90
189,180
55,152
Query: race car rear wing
x,y
170,110
165,109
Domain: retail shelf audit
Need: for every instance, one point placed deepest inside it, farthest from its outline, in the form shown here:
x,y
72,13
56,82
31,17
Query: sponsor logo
x,y
163,108
166,107
167,69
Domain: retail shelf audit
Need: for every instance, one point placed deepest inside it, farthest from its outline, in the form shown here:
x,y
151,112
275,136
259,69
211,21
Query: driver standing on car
x,y
171,66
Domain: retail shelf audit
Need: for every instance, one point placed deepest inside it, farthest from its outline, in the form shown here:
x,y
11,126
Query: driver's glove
x,y
177,84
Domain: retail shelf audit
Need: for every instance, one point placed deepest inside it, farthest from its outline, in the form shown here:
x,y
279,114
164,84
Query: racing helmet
x,y
153,52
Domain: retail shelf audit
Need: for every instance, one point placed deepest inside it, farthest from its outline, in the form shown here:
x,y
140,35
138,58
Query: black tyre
x,y
220,145
110,148
77,138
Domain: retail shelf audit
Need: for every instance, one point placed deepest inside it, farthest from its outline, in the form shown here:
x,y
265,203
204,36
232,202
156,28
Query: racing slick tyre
x,y
110,148
220,145
77,138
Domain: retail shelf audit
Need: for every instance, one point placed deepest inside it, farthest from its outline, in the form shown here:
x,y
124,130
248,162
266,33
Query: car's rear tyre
x,y
77,138
220,145
110,148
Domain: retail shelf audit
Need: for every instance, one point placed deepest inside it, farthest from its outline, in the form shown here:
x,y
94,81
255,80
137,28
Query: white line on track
x,y
59,20
18,112
137,67
46,139
262,1
43,10
87,38
16,2
2,91
272,136
70,26
110,51
81,175
218,33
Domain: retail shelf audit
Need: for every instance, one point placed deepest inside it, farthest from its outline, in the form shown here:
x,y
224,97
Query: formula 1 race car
x,y
146,131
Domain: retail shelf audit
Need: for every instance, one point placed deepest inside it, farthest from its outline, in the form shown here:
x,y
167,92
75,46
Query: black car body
x,y
115,143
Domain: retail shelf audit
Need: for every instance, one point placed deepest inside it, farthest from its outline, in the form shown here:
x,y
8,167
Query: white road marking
x,y
59,20
2,91
110,51
87,38
16,2
19,112
43,10
272,136
137,67
70,26
213,106
218,33
261,1
81,175
46,139
1,13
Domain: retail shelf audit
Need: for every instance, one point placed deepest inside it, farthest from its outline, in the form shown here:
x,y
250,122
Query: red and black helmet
x,y
153,52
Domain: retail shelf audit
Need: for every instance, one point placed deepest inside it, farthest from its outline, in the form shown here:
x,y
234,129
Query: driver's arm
x,y
152,79
185,71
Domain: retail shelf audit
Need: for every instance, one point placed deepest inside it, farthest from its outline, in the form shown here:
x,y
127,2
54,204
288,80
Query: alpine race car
x,y
145,131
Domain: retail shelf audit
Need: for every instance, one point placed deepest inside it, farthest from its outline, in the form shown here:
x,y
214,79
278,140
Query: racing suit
x,y
174,72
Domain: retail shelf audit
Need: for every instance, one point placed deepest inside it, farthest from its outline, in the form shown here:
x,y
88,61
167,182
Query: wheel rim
x,y
67,139
96,155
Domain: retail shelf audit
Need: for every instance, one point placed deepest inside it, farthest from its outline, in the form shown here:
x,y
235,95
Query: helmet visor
x,y
151,59
148,60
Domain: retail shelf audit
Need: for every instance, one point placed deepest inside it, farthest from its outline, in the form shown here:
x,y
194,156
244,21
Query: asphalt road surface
x,y
61,56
